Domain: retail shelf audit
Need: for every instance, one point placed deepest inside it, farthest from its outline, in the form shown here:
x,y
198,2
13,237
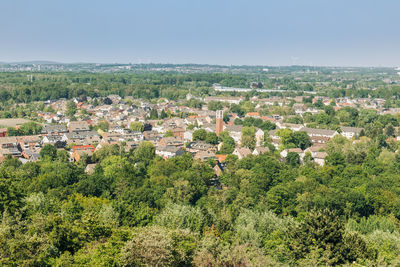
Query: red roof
x,y
87,147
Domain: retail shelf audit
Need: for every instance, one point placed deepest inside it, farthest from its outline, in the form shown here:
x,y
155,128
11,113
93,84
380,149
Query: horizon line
x,y
50,62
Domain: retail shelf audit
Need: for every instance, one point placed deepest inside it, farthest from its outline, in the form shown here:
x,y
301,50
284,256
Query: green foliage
x,y
168,133
153,114
291,139
293,159
199,135
228,143
102,125
48,152
28,128
211,138
71,109
325,230
157,246
136,126
214,105
248,137
175,216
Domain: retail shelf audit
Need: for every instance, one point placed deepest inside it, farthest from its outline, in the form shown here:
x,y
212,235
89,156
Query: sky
x,y
224,32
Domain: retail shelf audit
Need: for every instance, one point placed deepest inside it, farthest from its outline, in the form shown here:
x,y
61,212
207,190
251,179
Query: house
x,y
319,132
253,114
80,151
171,141
315,149
169,151
319,158
3,132
319,140
235,131
188,136
299,108
273,134
197,146
78,126
205,155
51,139
152,136
350,132
242,152
82,138
228,99
218,168
259,137
221,158
29,142
178,132
9,146
285,152
53,129
292,126
131,145
260,150
132,136
85,147
30,155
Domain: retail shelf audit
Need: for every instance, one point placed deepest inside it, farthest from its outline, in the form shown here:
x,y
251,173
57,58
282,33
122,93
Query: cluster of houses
x,y
81,139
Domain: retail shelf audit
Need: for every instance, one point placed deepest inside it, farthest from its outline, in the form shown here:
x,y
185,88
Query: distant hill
x,y
36,62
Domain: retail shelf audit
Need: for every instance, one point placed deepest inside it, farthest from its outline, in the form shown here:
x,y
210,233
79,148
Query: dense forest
x,y
139,209
25,87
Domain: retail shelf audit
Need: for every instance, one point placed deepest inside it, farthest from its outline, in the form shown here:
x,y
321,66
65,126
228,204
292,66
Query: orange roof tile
x,y
221,158
253,114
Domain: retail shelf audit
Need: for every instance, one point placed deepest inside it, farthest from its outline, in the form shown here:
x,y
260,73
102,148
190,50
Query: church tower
x,y
219,121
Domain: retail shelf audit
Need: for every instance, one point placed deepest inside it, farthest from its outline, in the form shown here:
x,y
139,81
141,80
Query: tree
x,y
248,137
31,128
285,135
300,139
71,109
153,114
325,230
168,133
329,110
177,216
335,159
199,134
48,152
156,246
211,138
136,126
144,153
107,101
293,159
11,196
163,114
214,105
11,131
389,130
228,143
248,141
102,125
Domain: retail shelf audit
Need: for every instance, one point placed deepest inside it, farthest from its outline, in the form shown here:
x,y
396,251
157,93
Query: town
x,y
220,126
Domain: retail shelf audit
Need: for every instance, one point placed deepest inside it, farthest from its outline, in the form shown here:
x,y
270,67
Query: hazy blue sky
x,y
256,32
